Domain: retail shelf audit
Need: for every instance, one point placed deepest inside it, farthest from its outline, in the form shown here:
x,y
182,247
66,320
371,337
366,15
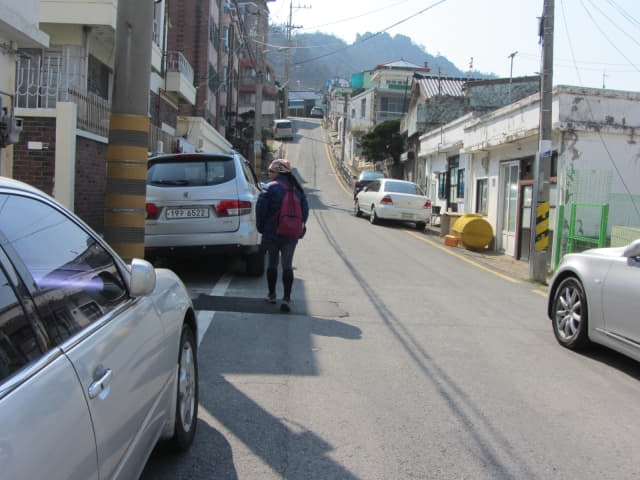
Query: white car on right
x,y
393,200
593,297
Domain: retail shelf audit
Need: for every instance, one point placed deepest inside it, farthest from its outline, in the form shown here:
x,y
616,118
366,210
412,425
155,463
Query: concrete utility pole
x,y
290,27
511,55
344,125
257,123
539,247
124,205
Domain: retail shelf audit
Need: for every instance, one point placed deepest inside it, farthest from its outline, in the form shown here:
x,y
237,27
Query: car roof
x,y
396,180
188,157
6,182
371,174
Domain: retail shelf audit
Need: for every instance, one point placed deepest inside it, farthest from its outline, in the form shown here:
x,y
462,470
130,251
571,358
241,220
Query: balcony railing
x,y
384,116
93,111
43,85
176,62
160,141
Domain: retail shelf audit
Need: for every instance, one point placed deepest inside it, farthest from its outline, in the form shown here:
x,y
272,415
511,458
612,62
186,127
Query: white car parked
x,y
97,356
203,203
394,200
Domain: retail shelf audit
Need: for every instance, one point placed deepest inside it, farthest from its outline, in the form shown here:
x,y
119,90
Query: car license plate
x,y
173,213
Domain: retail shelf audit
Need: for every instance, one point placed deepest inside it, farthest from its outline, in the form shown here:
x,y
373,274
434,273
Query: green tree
x,y
383,142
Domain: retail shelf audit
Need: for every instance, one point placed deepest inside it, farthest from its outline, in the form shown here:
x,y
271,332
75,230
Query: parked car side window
x,y
73,279
18,341
248,173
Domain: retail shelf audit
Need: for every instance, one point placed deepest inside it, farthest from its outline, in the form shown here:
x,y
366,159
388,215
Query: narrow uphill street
x,y
399,361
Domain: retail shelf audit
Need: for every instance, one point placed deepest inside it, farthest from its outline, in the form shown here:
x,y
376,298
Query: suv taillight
x,y
427,204
152,211
386,200
233,208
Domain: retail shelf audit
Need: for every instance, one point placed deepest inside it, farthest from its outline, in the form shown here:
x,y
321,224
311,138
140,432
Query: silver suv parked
x,y
199,203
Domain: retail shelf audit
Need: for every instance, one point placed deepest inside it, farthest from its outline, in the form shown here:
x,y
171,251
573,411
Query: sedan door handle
x,y
97,387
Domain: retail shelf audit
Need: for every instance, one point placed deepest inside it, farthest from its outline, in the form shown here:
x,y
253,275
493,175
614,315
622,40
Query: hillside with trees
x,y
318,57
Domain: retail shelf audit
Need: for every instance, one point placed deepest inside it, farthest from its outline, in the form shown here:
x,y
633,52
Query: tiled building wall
x,y
90,181
36,167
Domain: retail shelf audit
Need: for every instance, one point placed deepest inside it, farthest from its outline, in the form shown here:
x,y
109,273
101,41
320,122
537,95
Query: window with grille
x,y
98,77
482,195
213,79
213,33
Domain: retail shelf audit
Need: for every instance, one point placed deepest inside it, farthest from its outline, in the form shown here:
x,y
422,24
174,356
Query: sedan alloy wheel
x,y
373,218
187,404
570,314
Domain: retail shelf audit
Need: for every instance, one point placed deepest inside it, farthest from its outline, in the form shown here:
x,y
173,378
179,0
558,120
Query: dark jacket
x,y
269,203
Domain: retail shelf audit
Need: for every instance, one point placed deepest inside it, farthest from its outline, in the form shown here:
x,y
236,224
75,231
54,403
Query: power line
x,y
624,13
372,35
607,36
615,24
591,114
356,16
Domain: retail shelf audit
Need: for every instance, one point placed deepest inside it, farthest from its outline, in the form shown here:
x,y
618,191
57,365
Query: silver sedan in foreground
x,y
97,355
593,297
395,200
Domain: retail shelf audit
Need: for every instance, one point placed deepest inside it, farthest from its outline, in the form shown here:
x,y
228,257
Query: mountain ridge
x,y
318,57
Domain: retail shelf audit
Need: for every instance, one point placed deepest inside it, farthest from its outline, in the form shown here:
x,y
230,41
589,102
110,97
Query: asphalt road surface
x,y
398,361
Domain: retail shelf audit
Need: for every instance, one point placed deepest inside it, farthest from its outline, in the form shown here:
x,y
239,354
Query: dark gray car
x,y
365,177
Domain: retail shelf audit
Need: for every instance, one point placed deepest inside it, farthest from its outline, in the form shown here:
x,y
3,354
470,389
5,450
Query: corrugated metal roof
x,y
433,86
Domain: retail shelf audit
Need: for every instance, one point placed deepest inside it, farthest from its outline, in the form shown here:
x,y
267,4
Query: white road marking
x,y
205,318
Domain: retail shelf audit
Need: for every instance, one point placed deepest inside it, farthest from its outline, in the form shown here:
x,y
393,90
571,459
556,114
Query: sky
x,y
596,42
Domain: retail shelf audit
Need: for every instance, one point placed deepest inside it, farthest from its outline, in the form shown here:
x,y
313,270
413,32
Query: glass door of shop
x,y
509,174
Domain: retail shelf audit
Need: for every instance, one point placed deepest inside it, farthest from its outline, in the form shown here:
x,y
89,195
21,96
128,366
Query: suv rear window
x,y
283,124
371,175
181,172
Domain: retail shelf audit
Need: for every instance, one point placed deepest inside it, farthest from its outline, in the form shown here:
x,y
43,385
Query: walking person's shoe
x,y
285,307
272,277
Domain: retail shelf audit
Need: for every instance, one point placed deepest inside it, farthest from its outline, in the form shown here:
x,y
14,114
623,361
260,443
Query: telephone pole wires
x,y
259,60
539,246
290,27
124,204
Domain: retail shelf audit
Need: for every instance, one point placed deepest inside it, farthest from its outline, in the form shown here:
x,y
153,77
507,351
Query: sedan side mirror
x,y
143,278
633,250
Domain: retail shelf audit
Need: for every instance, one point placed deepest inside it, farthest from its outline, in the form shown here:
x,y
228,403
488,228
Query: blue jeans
x,y
280,251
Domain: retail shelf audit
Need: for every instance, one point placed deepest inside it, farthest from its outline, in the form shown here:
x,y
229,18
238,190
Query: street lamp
x,y
511,72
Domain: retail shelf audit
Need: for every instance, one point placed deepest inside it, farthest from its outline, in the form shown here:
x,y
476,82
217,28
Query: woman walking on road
x,y
279,248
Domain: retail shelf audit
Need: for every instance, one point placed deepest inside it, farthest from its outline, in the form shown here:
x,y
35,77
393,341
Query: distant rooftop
x,y
402,63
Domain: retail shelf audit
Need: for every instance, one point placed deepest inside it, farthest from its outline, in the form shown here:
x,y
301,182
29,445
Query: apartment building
x,y
63,56
18,29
